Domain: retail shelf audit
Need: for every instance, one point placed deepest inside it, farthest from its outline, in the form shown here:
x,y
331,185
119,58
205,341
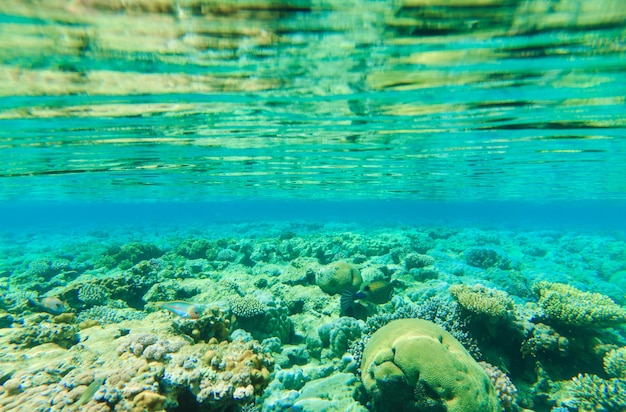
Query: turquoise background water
x,y
203,102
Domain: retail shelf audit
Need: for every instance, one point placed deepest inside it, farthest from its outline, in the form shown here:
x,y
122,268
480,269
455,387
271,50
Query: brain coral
x,y
567,305
335,277
415,365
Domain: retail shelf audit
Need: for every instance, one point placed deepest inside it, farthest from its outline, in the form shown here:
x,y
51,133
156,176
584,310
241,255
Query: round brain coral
x,y
415,365
567,305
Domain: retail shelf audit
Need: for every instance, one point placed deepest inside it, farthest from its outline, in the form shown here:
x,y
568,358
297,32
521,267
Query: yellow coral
x,y
565,304
481,300
414,365
148,401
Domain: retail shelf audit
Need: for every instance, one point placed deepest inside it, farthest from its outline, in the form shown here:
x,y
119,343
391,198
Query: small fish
x,y
50,304
90,391
378,291
182,309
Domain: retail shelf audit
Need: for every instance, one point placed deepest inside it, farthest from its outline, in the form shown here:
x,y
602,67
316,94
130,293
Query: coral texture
x,y
567,305
415,365
506,391
615,363
592,393
481,300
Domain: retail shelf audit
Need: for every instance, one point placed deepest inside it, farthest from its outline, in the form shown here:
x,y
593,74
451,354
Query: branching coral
x,y
592,393
567,305
481,300
506,391
615,363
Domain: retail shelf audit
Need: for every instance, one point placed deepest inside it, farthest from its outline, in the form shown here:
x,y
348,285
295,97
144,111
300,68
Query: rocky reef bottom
x,y
307,316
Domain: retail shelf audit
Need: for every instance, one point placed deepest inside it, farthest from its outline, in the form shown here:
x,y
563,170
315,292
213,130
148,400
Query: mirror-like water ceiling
x,y
201,100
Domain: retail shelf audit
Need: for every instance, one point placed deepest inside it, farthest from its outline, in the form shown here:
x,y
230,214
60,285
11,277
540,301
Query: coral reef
x,y
564,304
130,254
615,363
93,294
338,334
149,346
213,324
247,307
414,365
485,258
114,349
592,393
506,391
481,300
40,329
238,371
416,261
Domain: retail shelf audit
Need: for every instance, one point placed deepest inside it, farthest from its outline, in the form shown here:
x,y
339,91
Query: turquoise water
x,y
220,152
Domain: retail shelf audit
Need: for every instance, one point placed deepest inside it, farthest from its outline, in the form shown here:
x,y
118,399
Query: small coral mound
x,y
93,294
240,370
592,393
481,300
415,365
338,334
41,329
337,276
149,346
567,305
544,340
247,307
483,258
506,391
416,261
213,324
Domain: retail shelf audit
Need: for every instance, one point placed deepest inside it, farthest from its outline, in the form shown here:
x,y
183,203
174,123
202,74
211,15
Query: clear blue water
x,y
359,126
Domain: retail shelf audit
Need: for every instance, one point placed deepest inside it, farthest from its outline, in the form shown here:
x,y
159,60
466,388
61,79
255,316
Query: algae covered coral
x,y
267,337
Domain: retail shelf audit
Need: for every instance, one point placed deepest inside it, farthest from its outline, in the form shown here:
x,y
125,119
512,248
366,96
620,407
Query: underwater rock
x,y
337,276
128,255
149,346
40,329
416,261
415,365
485,258
213,324
336,393
338,334
240,371
171,290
